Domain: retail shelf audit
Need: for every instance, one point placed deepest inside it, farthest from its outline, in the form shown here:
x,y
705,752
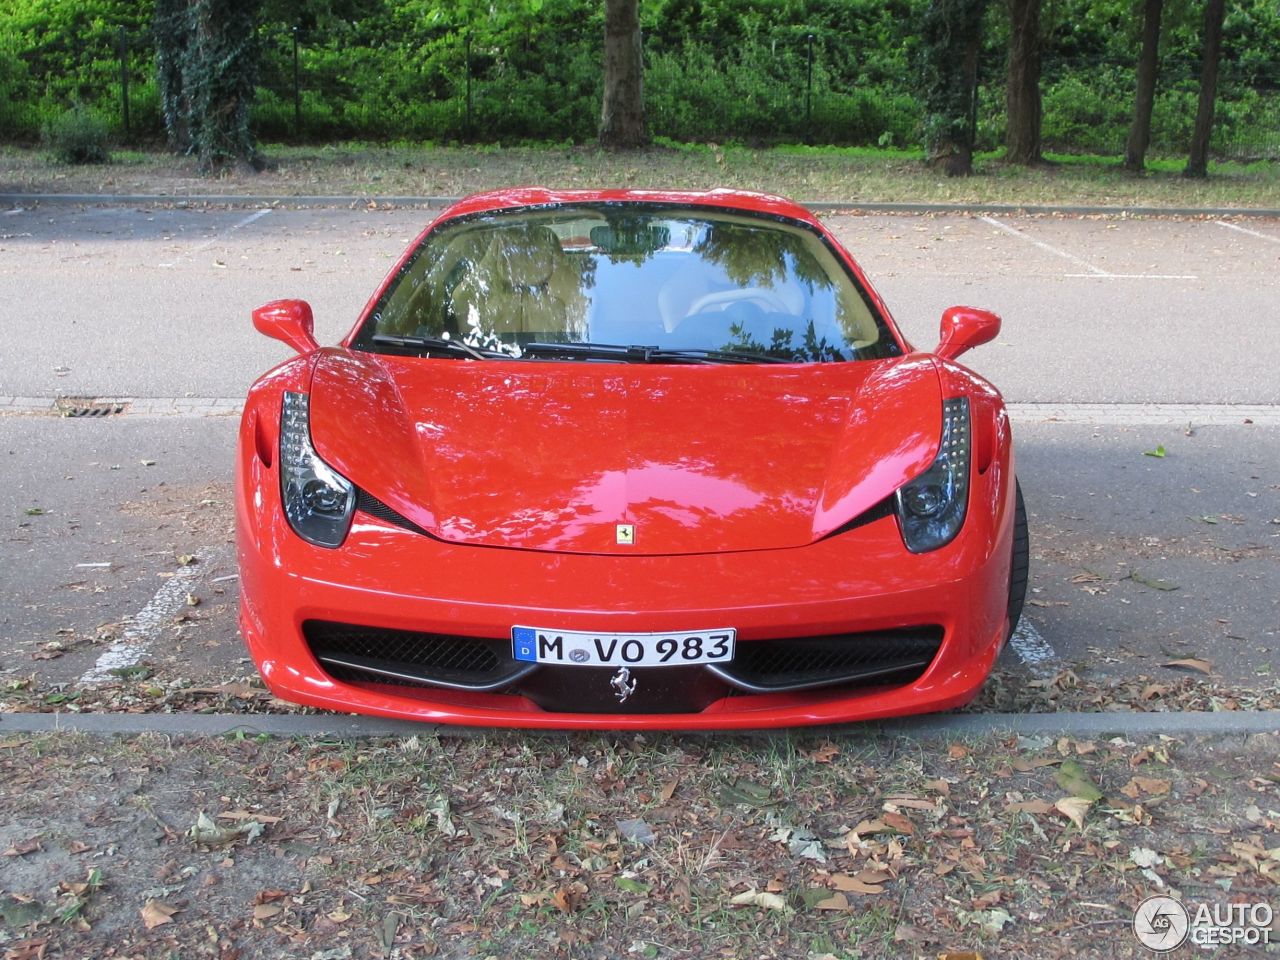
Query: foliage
x,y
78,135
716,70
56,53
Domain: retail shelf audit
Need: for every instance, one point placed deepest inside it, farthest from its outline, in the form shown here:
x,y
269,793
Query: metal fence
x,y
782,87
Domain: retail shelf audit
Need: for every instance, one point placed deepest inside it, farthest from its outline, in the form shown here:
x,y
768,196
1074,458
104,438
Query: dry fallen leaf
x,y
824,754
668,789
939,786
1074,809
868,827
1190,663
756,898
23,847
155,912
987,900
1028,806
568,899
912,803
899,822
265,911
1137,786
1026,766
205,831
842,881
1145,857
27,950
837,901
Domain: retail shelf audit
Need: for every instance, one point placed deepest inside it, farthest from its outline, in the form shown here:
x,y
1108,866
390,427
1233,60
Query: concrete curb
x,y
1224,723
826,206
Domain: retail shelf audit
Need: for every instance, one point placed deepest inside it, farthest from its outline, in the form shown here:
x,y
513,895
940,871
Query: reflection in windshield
x,y
629,274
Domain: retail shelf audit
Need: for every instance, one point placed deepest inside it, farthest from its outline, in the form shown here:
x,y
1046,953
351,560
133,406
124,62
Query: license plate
x,y
571,648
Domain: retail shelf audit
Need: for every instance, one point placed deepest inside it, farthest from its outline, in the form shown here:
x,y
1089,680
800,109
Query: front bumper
x,y
385,576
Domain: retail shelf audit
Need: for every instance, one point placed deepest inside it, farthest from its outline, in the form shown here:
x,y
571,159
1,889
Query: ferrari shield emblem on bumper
x,y
626,533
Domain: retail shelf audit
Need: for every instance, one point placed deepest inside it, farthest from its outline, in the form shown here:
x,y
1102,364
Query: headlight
x,y
931,507
318,501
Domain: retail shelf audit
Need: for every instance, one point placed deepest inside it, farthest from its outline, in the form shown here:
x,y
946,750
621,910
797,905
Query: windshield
x,y
688,282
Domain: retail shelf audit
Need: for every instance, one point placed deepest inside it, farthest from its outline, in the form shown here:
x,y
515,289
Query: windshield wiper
x,y
719,356
431,345
636,353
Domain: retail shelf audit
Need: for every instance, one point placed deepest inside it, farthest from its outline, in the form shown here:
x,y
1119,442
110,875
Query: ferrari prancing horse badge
x,y
624,685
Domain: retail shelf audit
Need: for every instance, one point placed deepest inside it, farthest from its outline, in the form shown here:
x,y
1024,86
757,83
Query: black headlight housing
x,y
318,501
931,508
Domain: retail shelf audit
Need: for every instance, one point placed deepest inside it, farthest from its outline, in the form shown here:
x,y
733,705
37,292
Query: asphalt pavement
x,y
120,527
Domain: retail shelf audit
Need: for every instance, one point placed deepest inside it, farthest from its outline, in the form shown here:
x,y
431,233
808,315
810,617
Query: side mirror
x,y
964,328
289,321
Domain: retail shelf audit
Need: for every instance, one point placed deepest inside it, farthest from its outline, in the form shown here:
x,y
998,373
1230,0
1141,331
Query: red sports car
x,y
627,459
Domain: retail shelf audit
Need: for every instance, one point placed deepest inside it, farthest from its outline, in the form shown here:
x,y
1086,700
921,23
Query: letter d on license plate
x,y
571,648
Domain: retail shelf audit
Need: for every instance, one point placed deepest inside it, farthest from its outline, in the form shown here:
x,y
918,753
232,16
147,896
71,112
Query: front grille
x,y
375,654
885,656
407,658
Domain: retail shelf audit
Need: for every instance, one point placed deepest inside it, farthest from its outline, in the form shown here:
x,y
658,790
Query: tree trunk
x,y
221,81
952,34
622,124
1135,148
960,163
1198,162
206,67
1022,93
171,29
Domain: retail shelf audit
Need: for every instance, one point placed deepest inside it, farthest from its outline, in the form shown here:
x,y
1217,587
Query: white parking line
x,y
1132,414
1136,276
1093,271
1252,233
1032,649
218,237
146,625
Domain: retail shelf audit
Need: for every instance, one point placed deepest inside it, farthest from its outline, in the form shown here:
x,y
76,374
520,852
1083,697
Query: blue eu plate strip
x,y
524,643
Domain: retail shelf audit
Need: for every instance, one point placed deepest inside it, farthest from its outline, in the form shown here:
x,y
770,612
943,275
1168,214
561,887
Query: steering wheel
x,y
766,300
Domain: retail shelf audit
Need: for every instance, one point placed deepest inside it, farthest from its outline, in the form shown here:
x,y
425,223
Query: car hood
x,y
553,456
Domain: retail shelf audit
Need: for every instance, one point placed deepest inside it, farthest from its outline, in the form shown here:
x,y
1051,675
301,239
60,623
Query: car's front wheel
x,y
1021,560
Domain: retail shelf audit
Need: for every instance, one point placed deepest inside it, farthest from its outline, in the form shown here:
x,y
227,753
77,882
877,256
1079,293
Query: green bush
x,y
1089,114
716,71
78,135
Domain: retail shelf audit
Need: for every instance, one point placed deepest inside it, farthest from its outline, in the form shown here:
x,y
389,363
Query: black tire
x,y
1021,560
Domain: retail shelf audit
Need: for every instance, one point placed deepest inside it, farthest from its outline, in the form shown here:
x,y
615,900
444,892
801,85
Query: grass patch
x,y
514,845
858,174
